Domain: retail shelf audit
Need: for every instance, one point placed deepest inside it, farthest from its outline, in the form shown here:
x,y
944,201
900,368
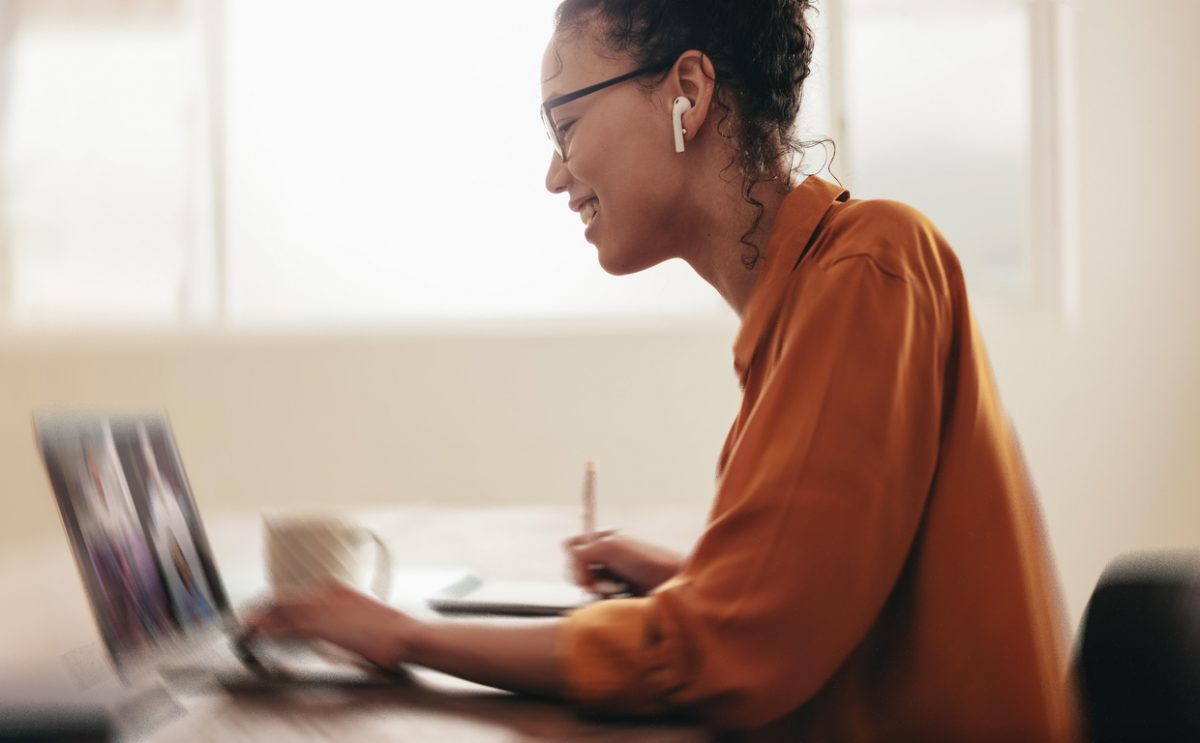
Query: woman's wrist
x,y
406,641
662,566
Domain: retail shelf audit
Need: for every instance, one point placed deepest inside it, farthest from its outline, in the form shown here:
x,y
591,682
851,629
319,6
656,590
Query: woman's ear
x,y
694,78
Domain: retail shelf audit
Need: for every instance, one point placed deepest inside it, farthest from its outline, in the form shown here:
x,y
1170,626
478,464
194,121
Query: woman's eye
x,y
564,128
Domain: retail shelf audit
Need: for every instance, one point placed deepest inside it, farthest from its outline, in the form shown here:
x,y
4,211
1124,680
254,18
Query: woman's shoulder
x,y
893,236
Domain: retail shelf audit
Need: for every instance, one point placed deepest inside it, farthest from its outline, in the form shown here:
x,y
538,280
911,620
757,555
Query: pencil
x,y
589,501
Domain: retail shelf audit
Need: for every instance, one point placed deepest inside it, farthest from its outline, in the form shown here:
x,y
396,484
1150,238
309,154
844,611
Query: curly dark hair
x,y
761,51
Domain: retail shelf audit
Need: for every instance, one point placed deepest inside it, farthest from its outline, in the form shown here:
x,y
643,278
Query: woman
x,y
873,566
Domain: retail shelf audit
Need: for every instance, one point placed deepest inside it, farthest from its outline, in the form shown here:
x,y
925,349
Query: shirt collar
x,y
798,218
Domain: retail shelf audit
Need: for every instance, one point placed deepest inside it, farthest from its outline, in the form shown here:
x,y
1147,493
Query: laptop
x,y
146,563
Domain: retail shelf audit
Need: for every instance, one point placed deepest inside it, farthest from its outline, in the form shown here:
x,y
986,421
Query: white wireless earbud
x,y
678,109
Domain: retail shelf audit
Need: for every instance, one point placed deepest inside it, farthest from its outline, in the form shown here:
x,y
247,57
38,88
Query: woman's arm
x,y
525,658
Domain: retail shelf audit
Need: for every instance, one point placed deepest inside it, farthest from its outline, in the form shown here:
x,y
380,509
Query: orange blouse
x,y
874,565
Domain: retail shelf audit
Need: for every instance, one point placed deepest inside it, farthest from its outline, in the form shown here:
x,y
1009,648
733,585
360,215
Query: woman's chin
x,y
616,264
622,262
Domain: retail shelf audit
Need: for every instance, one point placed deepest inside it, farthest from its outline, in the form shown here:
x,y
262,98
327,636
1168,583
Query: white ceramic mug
x,y
305,551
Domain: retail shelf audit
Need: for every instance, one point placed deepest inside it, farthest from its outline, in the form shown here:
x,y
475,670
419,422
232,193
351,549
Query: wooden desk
x,y
510,543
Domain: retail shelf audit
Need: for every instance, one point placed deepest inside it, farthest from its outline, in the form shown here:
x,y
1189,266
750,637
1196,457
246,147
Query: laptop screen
x,y
133,526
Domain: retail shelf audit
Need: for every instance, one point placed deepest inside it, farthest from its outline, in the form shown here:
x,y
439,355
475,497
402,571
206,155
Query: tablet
x,y
511,598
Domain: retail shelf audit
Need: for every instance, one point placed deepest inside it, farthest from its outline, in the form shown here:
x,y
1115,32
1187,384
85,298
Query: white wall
x,y
1109,410
462,417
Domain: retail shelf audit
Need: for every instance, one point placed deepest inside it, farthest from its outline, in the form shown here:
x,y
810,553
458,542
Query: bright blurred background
x,y
316,233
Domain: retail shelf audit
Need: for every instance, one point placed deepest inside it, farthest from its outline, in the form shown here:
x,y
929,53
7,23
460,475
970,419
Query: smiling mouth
x,y
589,211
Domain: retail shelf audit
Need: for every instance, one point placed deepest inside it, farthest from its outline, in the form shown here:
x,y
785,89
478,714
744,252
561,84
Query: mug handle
x,y
381,585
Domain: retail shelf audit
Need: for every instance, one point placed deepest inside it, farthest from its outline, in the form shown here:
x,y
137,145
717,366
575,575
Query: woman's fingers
x,y
602,550
342,616
292,614
277,619
580,540
601,566
615,557
584,551
579,572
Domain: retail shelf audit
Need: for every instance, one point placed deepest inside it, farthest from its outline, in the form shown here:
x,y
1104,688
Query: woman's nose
x,y
558,178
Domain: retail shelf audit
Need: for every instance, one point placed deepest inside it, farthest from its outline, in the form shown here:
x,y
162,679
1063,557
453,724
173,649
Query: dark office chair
x,y
1138,660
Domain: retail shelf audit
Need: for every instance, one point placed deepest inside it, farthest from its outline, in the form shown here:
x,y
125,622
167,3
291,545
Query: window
x,y
386,161
100,160
268,162
960,108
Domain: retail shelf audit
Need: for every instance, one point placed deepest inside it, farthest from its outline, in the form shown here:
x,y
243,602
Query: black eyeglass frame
x,y
559,100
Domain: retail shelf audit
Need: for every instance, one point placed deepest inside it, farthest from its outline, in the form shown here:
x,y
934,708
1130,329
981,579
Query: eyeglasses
x,y
550,104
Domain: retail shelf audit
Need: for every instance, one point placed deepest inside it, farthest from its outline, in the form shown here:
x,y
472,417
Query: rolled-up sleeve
x,y
817,507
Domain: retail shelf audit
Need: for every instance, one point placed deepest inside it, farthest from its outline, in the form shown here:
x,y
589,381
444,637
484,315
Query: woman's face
x,y
618,144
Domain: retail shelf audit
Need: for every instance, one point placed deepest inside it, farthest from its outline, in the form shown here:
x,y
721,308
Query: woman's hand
x,y
608,555
342,616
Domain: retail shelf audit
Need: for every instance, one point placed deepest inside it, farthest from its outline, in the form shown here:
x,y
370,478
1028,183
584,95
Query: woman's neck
x,y
717,251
